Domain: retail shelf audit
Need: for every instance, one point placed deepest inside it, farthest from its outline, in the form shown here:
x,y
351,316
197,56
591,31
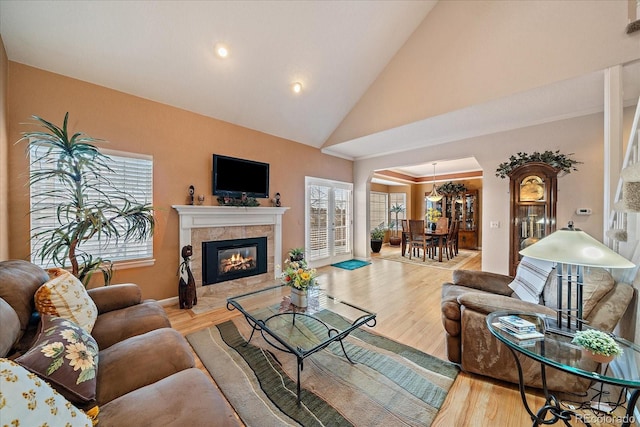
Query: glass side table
x,y
555,350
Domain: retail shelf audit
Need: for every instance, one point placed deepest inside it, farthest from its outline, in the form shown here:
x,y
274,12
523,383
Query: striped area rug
x,y
391,384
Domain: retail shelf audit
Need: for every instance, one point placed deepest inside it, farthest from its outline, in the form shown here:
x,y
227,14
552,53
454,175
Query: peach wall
x,y
468,52
181,143
4,144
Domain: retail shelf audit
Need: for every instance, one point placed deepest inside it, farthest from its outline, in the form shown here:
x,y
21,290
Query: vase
x,y
597,357
433,226
299,297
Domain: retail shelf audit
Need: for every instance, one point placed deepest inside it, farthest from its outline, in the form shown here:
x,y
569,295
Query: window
x,y
132,174
397,199
378,210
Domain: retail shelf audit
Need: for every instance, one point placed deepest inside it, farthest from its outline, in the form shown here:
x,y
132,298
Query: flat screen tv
x,y
232,177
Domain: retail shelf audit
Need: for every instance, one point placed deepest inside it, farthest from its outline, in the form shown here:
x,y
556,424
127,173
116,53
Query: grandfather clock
x,y
533,188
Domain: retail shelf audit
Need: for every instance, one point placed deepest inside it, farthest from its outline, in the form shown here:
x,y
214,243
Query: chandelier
x,y
434,196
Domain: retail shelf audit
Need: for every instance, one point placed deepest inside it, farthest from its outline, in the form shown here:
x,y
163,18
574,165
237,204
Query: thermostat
x,y
583,211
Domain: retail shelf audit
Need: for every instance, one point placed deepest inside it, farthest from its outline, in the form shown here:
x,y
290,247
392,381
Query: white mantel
x,y
195,216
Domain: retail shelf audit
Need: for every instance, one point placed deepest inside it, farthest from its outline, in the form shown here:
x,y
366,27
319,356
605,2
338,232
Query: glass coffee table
x,y
285,326
555,349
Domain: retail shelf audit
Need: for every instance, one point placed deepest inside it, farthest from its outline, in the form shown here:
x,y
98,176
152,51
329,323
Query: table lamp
x,y
572,249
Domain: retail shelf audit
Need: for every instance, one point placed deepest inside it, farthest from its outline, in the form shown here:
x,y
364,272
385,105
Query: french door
x,y
328,221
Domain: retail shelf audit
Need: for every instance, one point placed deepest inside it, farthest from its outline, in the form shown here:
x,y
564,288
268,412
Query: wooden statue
x,y
187,295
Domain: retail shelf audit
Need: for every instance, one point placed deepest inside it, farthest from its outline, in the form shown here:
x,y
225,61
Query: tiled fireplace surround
x,y
206,223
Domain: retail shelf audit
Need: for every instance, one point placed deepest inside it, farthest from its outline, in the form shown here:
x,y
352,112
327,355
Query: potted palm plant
x,y
396,238
88,207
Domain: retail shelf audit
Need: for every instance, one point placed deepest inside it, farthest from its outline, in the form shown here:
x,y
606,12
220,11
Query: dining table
x,y
440,235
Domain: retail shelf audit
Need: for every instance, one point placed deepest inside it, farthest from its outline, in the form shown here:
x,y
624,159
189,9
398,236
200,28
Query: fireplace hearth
x,y
224,260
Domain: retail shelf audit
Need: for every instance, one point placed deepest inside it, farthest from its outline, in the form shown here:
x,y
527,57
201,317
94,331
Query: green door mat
x,y
352,264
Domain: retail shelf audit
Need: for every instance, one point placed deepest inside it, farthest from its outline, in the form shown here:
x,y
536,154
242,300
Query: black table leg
x,y
300,368
552,405
630,407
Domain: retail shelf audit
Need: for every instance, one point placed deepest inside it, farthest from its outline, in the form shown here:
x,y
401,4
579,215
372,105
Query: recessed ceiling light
x,y
221,50
296,87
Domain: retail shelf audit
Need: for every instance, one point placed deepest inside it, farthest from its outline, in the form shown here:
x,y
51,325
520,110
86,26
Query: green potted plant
x,y
296,254
599,345
88,206
395,239
377,235
562,162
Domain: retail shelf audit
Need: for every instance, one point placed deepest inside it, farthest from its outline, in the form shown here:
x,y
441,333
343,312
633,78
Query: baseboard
x,y
168,301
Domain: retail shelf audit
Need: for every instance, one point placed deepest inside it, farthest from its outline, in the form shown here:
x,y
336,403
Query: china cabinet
x,y
468,217
464,208
533,190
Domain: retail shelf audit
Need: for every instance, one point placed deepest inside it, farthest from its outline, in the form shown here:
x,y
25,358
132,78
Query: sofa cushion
x,y
19,280
27,400
115,326
65,296
10,327
186,398
531,277
65,355
597,283
124,366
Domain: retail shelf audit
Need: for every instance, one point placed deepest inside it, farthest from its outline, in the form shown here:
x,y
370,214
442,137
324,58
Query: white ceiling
x,y
163,51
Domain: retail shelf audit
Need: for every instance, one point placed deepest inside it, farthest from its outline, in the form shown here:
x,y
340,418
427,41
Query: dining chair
x,y
442,225
405,236
450,240
417,238
455,237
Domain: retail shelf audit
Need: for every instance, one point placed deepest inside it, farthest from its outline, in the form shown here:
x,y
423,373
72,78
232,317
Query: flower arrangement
x,y
597,342
433,214
297,274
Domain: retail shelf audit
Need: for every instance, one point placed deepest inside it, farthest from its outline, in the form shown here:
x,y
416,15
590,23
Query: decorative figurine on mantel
x,y
277,200
187,295
192,191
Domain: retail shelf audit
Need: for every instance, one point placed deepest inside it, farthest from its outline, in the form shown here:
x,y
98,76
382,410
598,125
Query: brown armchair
x,y
474,294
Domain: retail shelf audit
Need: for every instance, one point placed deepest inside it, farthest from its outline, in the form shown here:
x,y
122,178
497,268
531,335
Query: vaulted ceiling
x,y
164,51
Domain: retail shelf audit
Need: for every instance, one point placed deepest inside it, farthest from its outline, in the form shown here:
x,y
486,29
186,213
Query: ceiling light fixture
x,y
434,196
221,50
296,87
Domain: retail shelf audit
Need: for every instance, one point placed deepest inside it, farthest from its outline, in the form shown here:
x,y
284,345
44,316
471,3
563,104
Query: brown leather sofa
x,y
146,374
472,295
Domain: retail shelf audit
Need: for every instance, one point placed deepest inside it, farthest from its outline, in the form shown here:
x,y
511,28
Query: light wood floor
x,y
406,299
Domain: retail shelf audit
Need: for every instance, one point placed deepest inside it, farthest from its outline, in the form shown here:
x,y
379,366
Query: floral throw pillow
x,y
27,400
65,296
66,356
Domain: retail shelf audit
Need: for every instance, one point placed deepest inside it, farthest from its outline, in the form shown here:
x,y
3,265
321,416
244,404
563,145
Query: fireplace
x,y
224,260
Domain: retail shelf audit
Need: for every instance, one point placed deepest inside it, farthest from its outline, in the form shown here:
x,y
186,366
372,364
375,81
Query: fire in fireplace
x,y
224,260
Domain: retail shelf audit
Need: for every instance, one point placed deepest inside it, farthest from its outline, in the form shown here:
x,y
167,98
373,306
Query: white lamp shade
x,y
570,246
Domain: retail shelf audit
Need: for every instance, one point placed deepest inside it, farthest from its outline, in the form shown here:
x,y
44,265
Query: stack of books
x,y
519,328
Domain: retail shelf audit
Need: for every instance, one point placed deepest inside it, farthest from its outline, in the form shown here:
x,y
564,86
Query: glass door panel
x,y
329,223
